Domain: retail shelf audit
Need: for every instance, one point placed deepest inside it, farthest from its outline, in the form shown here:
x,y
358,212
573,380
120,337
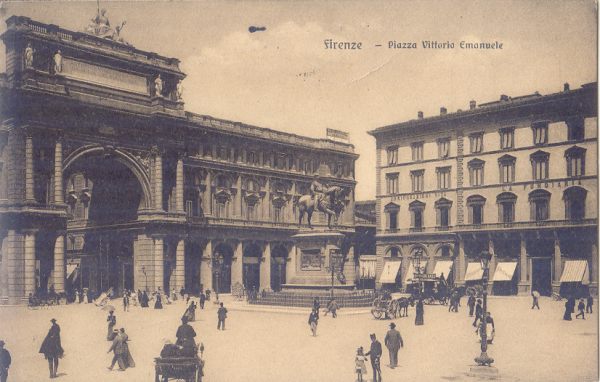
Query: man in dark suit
x,y
118,349
375,354
393,341
4,362
52,349
221,315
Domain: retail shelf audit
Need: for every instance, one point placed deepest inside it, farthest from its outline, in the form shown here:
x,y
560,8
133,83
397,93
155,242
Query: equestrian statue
x,y
328,200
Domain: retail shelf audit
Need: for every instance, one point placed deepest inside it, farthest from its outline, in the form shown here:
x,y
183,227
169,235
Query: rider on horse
x,y
317,190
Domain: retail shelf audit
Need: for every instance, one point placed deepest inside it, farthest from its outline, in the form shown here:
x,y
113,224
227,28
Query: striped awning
x,y
389,272
410,272
505,271
575,271
367,266
474,272
443,267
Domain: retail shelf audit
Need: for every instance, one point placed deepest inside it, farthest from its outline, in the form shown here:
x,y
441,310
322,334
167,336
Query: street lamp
x,y
335,265
145,278
417,256
484,359
217,269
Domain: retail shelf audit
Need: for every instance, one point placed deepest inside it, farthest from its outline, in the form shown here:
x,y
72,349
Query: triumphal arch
x,y
106,181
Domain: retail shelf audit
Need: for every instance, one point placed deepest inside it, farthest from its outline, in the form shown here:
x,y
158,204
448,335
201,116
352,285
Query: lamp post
x,y
484,359
217,269
335,265
145,278
417,256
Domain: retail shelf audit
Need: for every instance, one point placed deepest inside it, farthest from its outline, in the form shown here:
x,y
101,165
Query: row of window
x,y
540,164
575,126
539,202
276,160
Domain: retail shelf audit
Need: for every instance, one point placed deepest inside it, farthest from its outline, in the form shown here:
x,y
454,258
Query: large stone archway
x,y
105,190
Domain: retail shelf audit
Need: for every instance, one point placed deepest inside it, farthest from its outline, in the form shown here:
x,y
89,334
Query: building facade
x,y
516,177
107,182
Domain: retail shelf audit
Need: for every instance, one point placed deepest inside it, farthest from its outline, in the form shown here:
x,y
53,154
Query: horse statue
x,y
329,202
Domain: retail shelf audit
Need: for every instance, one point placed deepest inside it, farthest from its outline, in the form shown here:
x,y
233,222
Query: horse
x,y
403,304
330,204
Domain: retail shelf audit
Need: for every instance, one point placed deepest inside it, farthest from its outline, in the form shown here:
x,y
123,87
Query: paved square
x,y
530,345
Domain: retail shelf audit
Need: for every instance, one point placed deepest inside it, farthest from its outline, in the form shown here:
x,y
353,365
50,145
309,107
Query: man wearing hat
x,y
4,362
51,348
393,341
185,333
375,354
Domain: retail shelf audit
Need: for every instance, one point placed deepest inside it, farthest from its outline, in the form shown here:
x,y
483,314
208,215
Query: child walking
x,y
581,308
360,366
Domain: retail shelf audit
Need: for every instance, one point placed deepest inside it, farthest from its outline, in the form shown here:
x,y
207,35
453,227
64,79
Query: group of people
x,y
582,307
393,341
119,347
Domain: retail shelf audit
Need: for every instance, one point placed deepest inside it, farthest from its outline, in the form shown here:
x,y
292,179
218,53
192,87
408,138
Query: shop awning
x,y
389,272
505,271
443,267
410,272
575,271
367,266
474,272
72,269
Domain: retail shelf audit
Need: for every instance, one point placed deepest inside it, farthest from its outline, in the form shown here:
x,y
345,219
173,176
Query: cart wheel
x,y
377,313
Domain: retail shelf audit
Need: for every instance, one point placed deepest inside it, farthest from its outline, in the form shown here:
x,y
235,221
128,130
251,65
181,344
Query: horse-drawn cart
x,y
188,369
392,305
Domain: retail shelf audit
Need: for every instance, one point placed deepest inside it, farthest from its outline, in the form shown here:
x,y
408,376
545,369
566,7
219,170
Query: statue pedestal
x,y
311,259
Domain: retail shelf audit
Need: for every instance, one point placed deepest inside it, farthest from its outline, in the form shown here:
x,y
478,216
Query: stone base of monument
x,y
484,372
314,254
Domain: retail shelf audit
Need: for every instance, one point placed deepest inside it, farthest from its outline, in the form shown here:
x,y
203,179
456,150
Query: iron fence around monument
x,y
345,299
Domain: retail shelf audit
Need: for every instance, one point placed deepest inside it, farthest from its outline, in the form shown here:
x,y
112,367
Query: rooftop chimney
x,y
420,114
443,111
503,97
566,87
472,104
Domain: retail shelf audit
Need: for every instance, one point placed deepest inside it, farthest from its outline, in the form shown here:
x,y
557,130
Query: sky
x,y
283,78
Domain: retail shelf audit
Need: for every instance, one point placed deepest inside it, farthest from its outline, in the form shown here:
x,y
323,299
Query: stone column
x,y
4,270
265,268
523,271
58,278
238,197
594,270
29,263
143,256
206,267
207,196
29,175
58,174
267,199
158,181
14,252
557,265
159,263
180,266
179,185
237,265
460,263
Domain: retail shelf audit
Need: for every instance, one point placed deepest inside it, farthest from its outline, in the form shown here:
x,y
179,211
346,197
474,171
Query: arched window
x,y
475,204
393,252
574,198
506,207
391,211
539,201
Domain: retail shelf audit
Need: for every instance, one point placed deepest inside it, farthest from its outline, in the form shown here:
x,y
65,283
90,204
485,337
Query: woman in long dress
x,y
112,321
420,312
127,358
158,302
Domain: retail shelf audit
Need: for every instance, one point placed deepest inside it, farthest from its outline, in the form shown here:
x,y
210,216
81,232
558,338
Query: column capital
x,y
156,151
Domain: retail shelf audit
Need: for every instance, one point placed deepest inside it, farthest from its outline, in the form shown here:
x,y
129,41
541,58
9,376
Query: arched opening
x,y
574,198
193,262
506,207
279,255
221,268
103,191
539,202
251,267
